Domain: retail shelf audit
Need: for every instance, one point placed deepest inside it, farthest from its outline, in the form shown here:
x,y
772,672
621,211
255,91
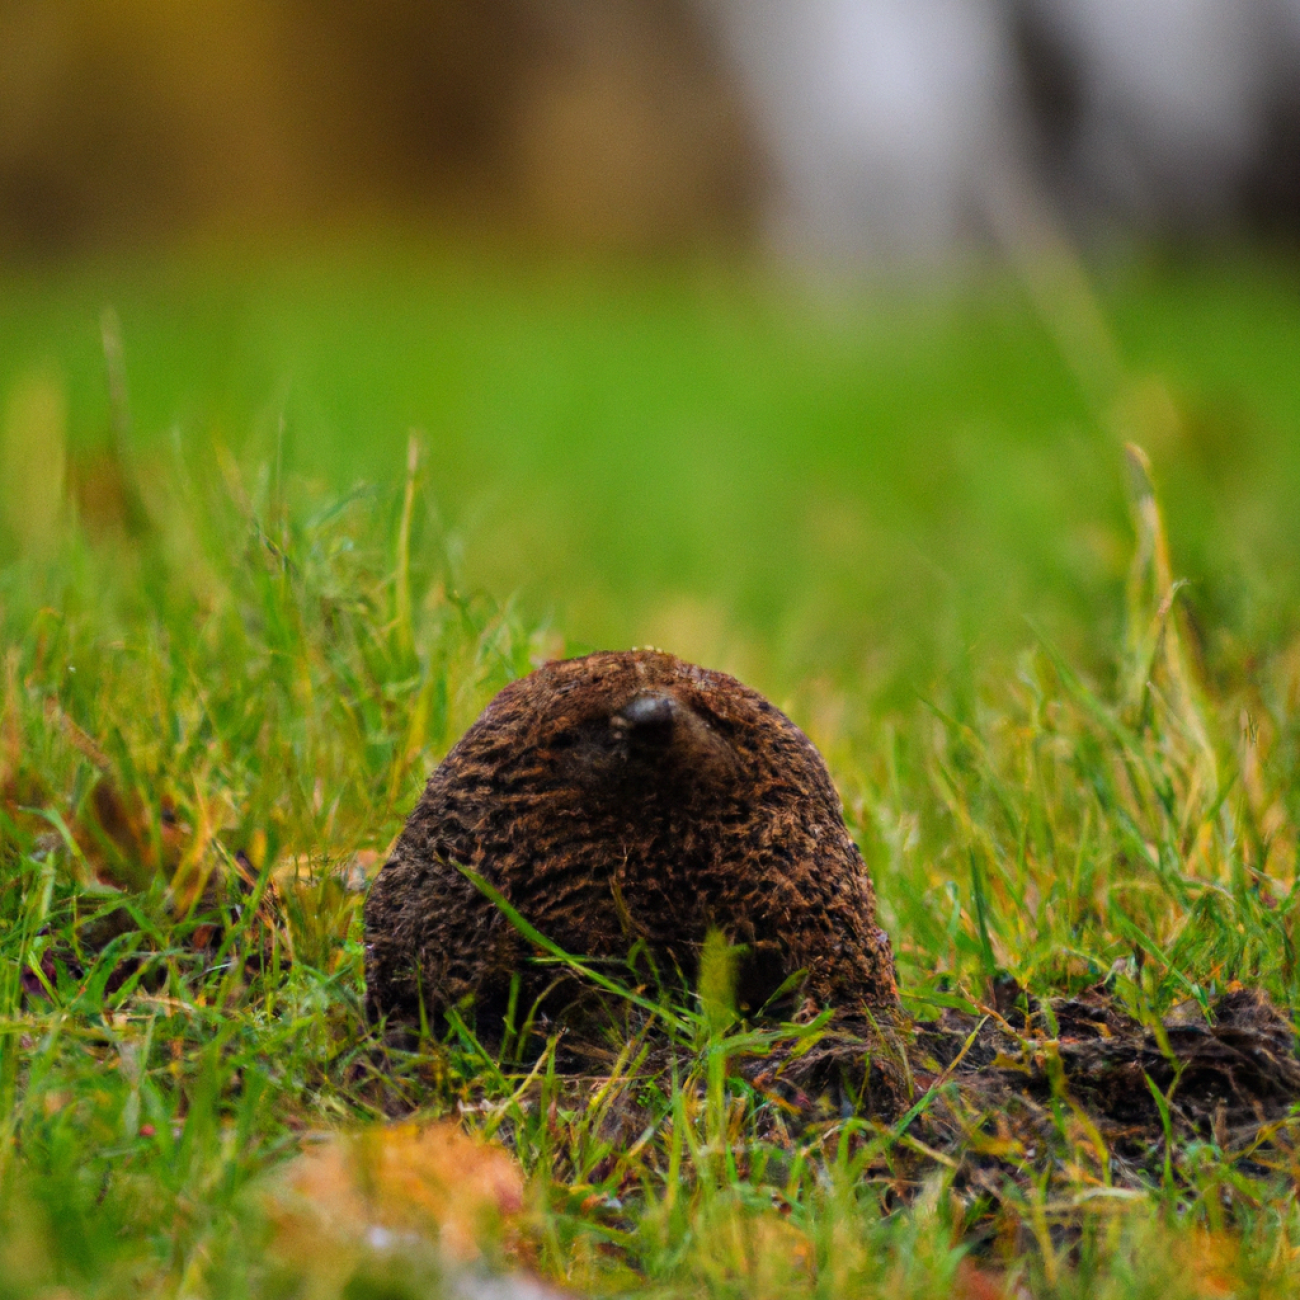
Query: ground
x,y
316,511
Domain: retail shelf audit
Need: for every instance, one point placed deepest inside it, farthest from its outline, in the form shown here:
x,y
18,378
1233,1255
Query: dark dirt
x,y
1011,1105
1230,1079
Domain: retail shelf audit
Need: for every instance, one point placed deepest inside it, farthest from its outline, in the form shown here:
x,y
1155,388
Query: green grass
x,y
857,506
847,490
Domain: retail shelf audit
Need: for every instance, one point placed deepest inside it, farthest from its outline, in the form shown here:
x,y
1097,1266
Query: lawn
x,y
319,507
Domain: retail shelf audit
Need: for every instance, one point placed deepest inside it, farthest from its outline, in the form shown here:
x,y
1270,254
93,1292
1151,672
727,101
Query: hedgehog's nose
x,y
647,719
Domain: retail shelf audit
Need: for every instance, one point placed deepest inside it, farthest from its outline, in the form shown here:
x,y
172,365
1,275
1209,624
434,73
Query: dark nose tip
x,y
648,718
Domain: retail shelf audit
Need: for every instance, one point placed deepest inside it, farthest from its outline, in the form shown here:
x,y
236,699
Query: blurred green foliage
x,y
855,485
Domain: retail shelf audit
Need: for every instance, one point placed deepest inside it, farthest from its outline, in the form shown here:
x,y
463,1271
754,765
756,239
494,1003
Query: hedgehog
x,y
626,804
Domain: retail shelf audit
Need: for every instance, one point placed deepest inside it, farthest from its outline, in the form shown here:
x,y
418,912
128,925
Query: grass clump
x,y
208,733
220,698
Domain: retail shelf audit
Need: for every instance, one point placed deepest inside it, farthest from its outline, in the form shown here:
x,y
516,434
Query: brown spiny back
x,y
618,798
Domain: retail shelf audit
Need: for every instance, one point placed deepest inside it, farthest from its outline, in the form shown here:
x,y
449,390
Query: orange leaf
x,y
437,1183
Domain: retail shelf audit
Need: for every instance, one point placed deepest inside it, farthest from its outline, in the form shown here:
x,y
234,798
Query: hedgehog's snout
x,y
656,730
646,723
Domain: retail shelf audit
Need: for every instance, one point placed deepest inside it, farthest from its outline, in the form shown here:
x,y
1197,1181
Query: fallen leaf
x,y
975,1283
435,1185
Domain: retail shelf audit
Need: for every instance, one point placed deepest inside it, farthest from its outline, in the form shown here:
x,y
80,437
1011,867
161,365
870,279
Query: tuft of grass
x,y
222,687
211,730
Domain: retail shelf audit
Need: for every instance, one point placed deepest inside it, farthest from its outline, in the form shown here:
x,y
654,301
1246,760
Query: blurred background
x,y
866,128
796,335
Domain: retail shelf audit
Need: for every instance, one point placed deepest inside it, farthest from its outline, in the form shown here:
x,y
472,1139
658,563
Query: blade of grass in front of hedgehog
x,y
717,983
673,1019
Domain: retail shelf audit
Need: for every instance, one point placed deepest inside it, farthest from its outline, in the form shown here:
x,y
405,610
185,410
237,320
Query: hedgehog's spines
x,y
623,796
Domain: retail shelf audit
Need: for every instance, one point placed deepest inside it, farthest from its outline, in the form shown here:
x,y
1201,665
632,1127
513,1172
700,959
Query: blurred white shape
x,y
896,128
1288,12
879,115
1171,104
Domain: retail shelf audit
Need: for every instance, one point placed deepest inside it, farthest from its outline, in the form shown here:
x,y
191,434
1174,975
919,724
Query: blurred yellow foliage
x,y
33,461
123,120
